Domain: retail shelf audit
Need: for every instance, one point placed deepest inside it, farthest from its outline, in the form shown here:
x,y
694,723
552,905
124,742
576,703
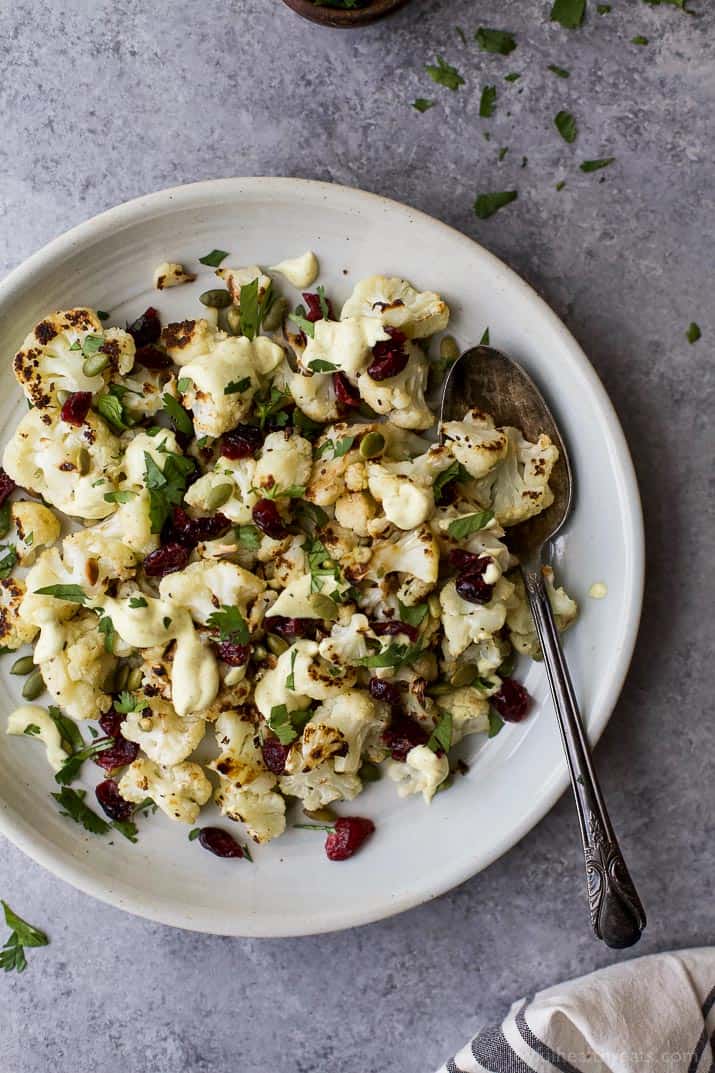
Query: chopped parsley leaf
x,y
421,104
561,72
137,601
566,126
214,259
693,333
128,702
7,560
287,725
639,39
495,723
319,365
180,417
487,204
568,12
73,594
72,806
22,934
470,523
235,387
499,41
440,740
487,102
444,74
231,625
596,165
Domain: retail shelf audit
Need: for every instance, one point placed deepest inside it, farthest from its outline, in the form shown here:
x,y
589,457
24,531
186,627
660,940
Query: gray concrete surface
x,y
100,101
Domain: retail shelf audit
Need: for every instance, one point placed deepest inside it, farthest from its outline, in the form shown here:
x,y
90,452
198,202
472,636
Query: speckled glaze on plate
x,y
418,852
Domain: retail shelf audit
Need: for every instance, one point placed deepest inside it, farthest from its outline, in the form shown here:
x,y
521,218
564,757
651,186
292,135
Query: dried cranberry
x,y
191,531
346,394
402,735
120,754
389,356
512,701
275,755
166,560
347,838
111,723
473,588
463,560
7,486
244,441
382,689
393,627
291,628
313,310
112,801
152,358
76,407
266,516
447,493
145,329
233,654
219,842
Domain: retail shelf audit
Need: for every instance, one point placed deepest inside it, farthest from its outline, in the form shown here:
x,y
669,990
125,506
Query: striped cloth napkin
x,y
651,1015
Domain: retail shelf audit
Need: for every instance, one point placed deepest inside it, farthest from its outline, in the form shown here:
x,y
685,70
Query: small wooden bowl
x,y
345,19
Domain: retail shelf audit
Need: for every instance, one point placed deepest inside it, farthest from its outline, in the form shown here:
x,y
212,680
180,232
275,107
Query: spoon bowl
x,y
488,380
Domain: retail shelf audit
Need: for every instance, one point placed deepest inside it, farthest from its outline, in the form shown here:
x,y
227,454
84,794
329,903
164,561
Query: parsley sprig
x,y
22,935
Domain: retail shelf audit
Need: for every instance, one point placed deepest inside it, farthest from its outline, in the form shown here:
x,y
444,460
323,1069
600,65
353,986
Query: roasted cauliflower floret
x,y
344,345
285,463
239,477
179,791
355,511
300,271
396,303
76,674
414,554
236,278
171,274
164,736
131,523
247,790
469,709
207,586
351,717
74,468
402,397
314,393
422,772
475,442
517,488
35,722
466,623
54,355
406,502
347,644
320,786
36,527
15,630
522,631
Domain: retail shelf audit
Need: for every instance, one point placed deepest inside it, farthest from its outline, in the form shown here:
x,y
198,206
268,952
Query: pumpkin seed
x,y
95,364
34,686
216,298
276,644
108,685
275,316
464,675
23,665
260,652
84,461
372,445
322,815
135,678
218,495
448,349
324,606
438,689
233,320
122,675
370,772
62,396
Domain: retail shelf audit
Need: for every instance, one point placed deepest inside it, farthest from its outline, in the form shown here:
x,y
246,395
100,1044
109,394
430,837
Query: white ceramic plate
x,y
418,852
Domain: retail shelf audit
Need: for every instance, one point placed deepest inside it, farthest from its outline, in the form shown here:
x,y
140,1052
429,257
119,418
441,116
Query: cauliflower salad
x,y
252,575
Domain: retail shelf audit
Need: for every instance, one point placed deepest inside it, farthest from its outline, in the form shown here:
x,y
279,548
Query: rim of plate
x,y
79,874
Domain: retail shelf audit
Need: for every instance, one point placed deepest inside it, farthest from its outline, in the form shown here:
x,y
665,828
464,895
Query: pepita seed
x,y
216,298
324,606
34,686
448,349
84,461
321,815
95,364
233,320
372,445
218,495
275,316
276,644
62,396
122,675
23,665
438,689
435,607
135,678
108,684
464,675
370,772
260,652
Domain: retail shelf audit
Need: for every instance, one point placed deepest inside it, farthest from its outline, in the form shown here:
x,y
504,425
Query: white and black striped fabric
x,y
651,1015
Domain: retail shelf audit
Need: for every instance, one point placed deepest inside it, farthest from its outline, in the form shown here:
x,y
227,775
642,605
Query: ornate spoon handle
x,y
617,915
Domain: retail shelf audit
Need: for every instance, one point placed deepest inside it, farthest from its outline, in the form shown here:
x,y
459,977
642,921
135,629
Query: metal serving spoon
x,y
487,379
